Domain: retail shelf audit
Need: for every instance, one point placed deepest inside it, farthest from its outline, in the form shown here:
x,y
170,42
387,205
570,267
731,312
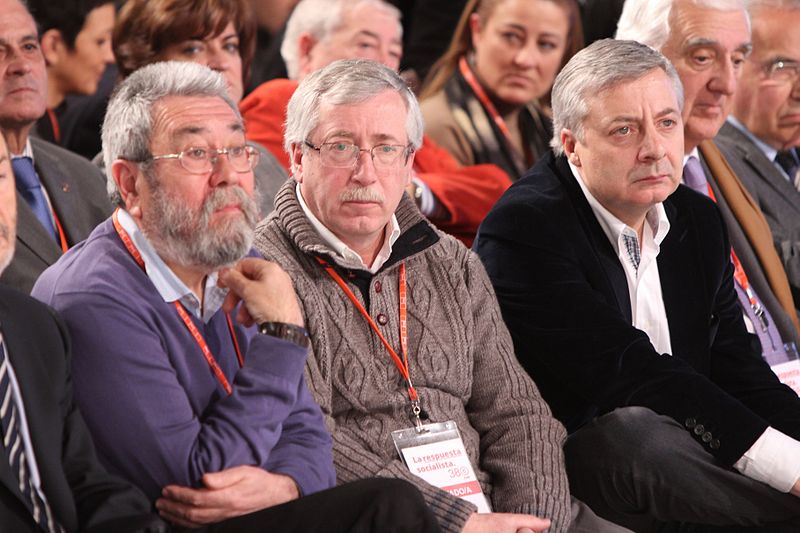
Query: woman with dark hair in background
x,y
76,45
485,99
217,33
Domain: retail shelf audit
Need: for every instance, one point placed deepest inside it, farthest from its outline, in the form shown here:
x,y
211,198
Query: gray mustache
x,y
361,194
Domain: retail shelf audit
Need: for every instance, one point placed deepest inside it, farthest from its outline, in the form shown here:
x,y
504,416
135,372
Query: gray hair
x,y
647,21
600,66
127,128
346,82
320,18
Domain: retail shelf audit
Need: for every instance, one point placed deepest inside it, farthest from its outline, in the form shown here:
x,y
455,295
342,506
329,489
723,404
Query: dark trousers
x,y
645,472
370,505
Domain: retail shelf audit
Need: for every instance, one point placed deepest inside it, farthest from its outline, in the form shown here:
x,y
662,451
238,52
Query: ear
x,y
296,160
569,142
410,168
305,44
53,46
128,179
475,29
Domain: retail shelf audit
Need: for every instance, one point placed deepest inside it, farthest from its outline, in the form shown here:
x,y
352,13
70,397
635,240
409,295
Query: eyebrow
x,y
635,118
698,42
195,130
24,38
374,35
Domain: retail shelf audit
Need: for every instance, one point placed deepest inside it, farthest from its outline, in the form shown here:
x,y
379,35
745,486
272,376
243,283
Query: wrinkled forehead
x,y
369,20
180,117
379,118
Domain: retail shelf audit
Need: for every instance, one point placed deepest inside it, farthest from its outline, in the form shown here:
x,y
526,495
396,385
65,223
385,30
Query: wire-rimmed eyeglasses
x,y
196,160
783,70
345,154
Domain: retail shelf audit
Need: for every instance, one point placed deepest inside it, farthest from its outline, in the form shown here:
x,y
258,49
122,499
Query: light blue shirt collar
x,y
169,285
766,149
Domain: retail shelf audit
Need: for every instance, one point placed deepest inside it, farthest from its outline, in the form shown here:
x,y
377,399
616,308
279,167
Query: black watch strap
x,y
288,332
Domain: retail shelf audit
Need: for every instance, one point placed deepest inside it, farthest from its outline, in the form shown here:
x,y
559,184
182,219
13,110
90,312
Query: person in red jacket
x,y
455,198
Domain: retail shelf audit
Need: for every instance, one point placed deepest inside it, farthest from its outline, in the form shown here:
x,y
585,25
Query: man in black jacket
x,y
617,287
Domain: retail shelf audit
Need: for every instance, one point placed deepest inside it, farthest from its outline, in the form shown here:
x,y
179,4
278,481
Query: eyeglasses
x,y
345,154
241,157
783,70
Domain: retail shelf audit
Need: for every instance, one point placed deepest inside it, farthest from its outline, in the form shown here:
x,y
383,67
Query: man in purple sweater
x,y
188,358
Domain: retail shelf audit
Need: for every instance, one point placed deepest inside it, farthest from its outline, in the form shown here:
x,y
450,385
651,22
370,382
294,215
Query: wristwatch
x,y
287,332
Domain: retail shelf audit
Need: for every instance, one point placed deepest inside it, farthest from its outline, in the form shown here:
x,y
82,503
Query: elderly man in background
x,y
453,197
708,41
191,377
620,301
61,196
404,325
762,135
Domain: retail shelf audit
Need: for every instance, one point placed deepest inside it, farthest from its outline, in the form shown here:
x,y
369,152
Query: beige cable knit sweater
x,y
461,359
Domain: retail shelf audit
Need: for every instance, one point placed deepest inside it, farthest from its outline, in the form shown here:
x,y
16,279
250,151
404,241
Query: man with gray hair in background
x,y
617,287
761,138
408,345
189,352
708,41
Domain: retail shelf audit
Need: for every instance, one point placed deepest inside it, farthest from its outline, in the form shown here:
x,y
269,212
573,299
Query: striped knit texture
x,y
461,360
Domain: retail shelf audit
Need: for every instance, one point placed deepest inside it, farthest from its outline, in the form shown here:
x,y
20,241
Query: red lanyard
x,y
741,278
62,237
54,125
481,94
401,364
201,342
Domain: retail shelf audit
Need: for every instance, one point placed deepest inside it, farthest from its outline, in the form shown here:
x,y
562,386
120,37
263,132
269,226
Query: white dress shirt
x,y
644,283
343,254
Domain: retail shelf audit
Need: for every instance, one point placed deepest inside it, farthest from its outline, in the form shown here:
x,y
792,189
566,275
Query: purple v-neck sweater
x,y
157,413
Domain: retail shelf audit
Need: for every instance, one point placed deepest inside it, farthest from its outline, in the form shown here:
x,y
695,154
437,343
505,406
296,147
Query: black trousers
x,y
377,505
644,471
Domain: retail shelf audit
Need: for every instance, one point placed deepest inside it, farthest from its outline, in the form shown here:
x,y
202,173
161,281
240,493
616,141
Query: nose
x,y
652,148
217,59
725,78
388,58
364,170
108,52
19,63
527,56
222,173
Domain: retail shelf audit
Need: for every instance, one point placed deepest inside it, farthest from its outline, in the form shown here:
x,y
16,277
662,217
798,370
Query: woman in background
x,y
217,33
76,45
485,99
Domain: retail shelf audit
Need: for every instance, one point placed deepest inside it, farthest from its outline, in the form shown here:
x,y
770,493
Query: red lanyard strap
x,y
401,364
187,320
741,278
481,94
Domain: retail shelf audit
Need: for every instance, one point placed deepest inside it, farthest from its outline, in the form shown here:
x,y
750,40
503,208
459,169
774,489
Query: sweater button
x,y
378,286
382,319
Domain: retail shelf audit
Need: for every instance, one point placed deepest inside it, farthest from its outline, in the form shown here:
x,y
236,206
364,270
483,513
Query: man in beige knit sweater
x,y
362,258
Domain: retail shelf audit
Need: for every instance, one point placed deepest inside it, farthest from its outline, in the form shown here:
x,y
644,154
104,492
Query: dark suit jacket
x,y
777,198
77,192
564,297
82,495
